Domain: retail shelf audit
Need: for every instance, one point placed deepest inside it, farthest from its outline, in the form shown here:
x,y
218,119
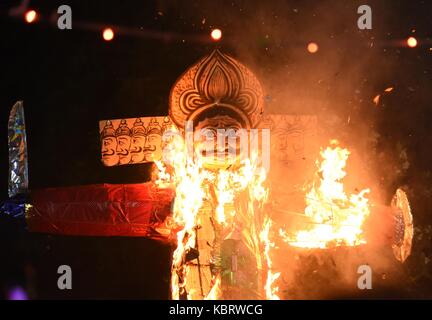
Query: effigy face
x,y
109,146
152,146
137,145
123,145
218,141
137,141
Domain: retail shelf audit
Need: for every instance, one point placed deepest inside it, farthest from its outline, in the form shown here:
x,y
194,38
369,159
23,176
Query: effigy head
x,y
218,95
123,135
153,140
109,145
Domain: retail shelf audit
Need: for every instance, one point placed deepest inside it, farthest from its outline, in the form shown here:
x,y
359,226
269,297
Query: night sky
x,y
71,79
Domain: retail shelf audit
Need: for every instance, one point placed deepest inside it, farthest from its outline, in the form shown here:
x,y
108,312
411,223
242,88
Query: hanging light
x,y
30,16
412,42
108,34
216,34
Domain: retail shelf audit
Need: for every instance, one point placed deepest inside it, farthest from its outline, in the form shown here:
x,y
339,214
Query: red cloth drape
x,y
102,210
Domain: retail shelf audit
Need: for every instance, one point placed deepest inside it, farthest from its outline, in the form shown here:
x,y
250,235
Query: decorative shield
x,y
17,140
404,229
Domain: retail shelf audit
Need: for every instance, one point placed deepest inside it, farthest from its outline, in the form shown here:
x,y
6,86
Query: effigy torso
x,y
218,252
228,257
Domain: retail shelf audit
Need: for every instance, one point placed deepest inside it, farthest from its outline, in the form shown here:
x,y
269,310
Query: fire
x,y
216,291
194,185
187,177
270,289
336,219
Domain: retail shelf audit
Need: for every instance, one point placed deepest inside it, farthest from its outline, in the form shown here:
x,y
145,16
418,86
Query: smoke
x,y
337,84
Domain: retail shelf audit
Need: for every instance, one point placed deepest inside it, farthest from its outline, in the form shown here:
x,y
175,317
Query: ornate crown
x,y
108,130
154,127
123,129
217,83
138,128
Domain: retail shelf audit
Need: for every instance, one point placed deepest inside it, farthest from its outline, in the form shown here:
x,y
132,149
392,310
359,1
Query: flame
x,y
187,177
336,219
193,184
270,289
216,291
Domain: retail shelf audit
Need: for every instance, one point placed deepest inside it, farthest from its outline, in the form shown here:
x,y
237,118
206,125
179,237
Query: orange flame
x,y
336,219
191,180
270,289
216,291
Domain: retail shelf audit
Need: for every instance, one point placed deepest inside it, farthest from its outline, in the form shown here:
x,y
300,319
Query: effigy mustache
x,y
137,150
125,153
108,153
151,149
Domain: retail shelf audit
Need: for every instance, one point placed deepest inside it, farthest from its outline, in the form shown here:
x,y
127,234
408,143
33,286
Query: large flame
x,y
186,177
194,183
270,289
335,219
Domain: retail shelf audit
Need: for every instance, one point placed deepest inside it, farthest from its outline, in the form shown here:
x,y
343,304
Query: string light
x,y
312,47
412,42
108,34
30,16
216,34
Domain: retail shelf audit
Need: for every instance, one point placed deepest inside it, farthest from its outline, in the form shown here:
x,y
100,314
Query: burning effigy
x,y
213,195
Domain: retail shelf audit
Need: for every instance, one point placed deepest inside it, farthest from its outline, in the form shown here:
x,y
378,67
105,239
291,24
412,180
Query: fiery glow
x,y
270,289
216,291
194,184
187,178
335,219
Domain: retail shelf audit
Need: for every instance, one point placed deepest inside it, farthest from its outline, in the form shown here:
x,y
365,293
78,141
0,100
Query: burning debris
x,y
377,98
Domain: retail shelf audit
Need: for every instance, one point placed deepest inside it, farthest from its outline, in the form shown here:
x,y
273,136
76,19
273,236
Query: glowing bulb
x,y
412,42
30,16
216,34
312,47
108,34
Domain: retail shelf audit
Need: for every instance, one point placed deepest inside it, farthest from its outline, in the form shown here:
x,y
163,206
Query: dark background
x,y
71,79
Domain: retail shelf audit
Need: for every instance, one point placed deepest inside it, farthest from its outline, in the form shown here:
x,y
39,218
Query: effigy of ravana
x,y
222,247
